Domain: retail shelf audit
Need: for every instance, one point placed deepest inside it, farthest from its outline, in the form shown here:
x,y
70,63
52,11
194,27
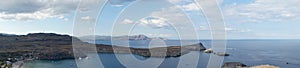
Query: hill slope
x,y
50,46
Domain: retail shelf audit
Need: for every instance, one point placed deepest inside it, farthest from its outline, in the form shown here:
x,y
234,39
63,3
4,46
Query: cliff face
x,y
48,46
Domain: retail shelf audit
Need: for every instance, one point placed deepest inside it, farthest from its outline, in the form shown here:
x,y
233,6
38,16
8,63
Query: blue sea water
x,y
249,52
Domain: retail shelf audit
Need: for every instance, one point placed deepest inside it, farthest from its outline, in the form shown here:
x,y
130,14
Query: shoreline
x,y
18,64
51,46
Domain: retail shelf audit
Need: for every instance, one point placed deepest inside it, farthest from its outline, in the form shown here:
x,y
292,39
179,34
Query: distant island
x,y
51,46
133,37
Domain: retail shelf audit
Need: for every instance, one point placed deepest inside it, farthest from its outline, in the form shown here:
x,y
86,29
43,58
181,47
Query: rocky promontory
x,y
50,46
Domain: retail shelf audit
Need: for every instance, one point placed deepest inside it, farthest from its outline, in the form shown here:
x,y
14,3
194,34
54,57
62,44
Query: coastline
x,y
42,47
50,46
18,64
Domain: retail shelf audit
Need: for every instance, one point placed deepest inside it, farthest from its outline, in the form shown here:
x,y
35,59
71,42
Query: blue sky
x,y
245,19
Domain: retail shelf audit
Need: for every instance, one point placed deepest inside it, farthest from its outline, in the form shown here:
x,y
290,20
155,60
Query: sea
x,y
249,52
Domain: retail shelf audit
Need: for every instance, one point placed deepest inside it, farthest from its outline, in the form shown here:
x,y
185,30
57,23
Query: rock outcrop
x,y
208,50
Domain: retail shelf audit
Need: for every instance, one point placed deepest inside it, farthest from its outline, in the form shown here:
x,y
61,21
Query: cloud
x,y
259,11
36,9
153,22
190,7
228,29
202,28
180,1
16,6
187,5
170,16
174,15
127,21
87,19
38,15
119,3
186,1
164,18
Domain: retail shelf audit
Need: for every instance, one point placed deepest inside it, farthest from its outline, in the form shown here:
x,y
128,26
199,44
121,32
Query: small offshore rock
x,y
208,50
234,65
222,54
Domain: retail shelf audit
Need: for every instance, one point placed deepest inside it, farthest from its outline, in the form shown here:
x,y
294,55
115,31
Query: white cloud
x,y
87,19
119,3
42,14
164,18
180,1
174,15
191,7
187,5
66,19
36,9
127,21
155,22
170,16
228,29
246,30
264,11
203,28
23,10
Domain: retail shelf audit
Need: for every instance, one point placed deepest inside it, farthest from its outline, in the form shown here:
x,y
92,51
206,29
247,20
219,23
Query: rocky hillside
x,y
49,46
37,46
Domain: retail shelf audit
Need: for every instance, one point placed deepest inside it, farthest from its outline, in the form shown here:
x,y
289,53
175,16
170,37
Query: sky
x,y
244,19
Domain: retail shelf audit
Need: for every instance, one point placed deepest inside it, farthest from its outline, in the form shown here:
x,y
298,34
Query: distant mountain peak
x,y
138,37
132,37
